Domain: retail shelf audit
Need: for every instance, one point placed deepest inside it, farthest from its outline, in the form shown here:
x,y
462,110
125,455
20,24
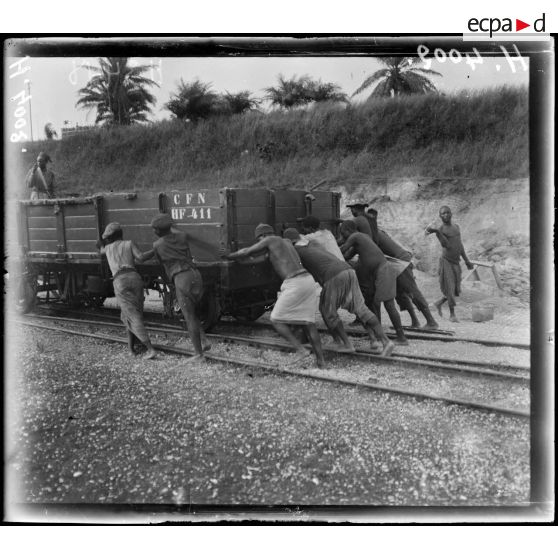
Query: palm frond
x,y
370,80
118,91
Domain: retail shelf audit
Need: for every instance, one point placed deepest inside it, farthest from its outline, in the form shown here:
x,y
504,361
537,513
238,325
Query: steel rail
x,y
439,364
425,337
285,371
431,335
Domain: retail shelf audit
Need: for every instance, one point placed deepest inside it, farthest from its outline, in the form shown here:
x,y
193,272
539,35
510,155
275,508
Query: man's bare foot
x,y
342,348
150,354
453,319
401,341
376,347
388,349
416,325
321,364
431,325
438,306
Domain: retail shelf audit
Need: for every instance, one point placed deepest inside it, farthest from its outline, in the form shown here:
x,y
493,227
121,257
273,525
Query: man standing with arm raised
x,y
297,302
449,271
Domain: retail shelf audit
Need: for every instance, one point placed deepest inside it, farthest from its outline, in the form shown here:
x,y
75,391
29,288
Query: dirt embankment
x,y
493,216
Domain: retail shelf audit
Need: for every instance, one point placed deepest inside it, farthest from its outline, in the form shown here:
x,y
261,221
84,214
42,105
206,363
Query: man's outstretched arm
x,y
440,235
140,256
253,250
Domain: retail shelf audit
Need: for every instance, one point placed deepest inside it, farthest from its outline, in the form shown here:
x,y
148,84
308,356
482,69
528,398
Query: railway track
x,y
516,373
110,319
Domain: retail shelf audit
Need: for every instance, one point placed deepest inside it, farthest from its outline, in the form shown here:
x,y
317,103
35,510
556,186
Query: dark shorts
x,y
343,291
450,280
385,283
188,286
407,288
128,288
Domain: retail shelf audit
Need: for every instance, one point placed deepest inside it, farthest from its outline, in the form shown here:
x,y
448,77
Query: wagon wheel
x,y
25,292
208,310
93,300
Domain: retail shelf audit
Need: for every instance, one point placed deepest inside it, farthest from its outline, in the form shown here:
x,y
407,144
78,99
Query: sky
x,y
54,82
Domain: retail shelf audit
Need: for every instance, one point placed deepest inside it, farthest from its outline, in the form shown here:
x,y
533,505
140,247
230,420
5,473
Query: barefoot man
x,y
376,276
172,249
449,271
122,256
408,291
340,289
297,302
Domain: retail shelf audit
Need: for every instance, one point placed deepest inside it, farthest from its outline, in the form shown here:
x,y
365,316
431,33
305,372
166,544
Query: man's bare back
x,y
282,255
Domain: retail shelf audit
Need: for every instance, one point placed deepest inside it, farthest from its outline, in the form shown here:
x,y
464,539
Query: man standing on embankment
x,y
449,271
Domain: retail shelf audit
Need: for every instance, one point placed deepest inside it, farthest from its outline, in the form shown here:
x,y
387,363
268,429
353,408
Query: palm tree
x,y
332,92
290,93
401,76
118,92
240,102
193,101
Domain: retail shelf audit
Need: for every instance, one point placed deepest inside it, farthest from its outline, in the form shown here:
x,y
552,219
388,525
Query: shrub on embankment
x,y
481,134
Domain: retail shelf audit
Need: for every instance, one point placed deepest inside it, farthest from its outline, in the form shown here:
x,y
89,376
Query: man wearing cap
x,y
339,290
357,208
39,179
377,277
172,250
320,237
408,291
297,301
128,285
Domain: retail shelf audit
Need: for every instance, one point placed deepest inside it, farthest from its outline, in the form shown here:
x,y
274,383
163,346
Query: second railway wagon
x,y
58,239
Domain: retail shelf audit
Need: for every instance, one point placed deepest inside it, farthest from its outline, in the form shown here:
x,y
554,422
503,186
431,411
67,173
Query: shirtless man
x,y
449,271
297,302
340,289
408,291
377,277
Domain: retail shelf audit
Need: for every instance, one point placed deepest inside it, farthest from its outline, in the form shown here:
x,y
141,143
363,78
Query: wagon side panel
x,y
134,212
289,209
325,207
246,209
61,229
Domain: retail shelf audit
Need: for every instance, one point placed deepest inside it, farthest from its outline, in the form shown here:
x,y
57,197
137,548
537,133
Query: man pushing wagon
x,y
297,302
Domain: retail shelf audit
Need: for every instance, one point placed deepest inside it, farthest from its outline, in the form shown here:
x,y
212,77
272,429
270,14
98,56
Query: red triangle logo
x,y
519,25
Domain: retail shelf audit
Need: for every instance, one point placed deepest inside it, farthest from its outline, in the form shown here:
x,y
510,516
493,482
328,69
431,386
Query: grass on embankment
x,y
470,134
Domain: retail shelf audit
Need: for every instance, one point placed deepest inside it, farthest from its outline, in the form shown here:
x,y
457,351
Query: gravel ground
x,y
486,390
90,424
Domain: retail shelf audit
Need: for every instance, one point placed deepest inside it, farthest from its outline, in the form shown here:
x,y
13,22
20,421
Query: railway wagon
x,y
58,240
